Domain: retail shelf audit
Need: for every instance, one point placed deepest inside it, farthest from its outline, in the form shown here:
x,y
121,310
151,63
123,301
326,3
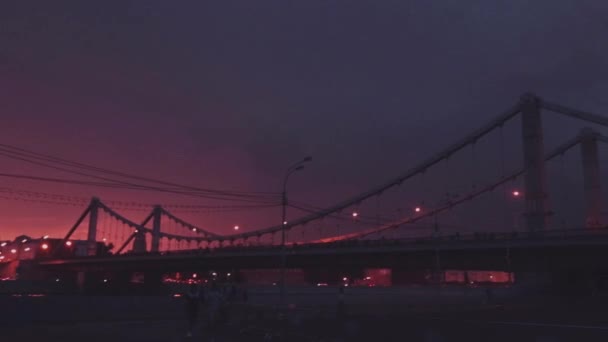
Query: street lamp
x,y
293,168
516,194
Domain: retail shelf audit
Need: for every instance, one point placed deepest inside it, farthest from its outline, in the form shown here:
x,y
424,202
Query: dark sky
x,y
226,94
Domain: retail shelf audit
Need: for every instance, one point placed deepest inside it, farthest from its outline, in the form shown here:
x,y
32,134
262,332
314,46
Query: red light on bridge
x,y
44,246
68,243
417,209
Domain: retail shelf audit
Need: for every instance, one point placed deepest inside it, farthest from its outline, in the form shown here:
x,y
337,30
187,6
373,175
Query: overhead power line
x,y
54,198
43,160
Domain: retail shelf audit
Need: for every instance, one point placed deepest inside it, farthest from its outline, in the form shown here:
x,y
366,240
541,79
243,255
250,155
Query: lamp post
x,y
516,194
293,168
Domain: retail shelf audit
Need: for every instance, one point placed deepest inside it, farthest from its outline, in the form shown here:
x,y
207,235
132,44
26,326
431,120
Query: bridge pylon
x,y
591,177
157,215
92,233
535,179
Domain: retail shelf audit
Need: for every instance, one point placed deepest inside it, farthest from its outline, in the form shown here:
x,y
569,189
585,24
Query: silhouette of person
x,y
340,311
192,306
215,302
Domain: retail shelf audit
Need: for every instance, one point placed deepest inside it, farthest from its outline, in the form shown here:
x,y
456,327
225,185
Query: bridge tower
x,y
535,180
156,229
591,178
92,234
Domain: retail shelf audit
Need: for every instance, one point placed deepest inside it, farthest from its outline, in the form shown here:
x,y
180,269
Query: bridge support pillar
x,y
156,229
536,212
591,178
139,244
92,234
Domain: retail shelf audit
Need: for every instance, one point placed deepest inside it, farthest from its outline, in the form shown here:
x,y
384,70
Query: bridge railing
x,y
514,236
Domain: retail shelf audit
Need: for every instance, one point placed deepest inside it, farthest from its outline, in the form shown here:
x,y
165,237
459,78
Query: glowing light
x,y
214,274
57,280
194,230
177,295
516,193
355,214
44,246
3,244
417,209
24,241
194,275
284,222
1,257
104,239
228,274
105,280
27,249
68,243
13,251
368,278
236,227
45,237
345,279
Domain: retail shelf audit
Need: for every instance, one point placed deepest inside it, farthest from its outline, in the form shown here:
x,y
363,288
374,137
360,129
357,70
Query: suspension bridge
x,y
163,238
